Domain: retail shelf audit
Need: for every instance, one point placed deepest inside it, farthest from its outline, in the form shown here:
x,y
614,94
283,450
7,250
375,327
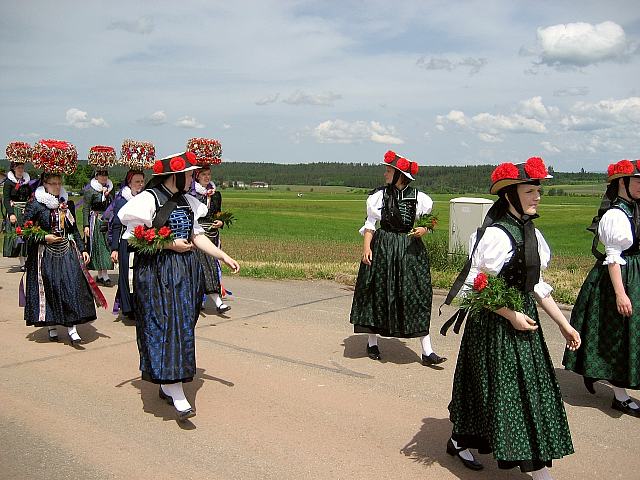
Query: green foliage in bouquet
x,y
492,293
225,217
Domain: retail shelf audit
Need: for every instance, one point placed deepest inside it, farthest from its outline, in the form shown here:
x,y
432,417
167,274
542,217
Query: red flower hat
x,y
19,152
137,155
207,151
406,167
508,173
176,163
102,156
55,156
623,168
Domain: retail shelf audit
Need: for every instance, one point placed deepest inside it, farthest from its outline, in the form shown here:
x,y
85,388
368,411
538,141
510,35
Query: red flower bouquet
x,y
428,221
149,240
491,293
29,231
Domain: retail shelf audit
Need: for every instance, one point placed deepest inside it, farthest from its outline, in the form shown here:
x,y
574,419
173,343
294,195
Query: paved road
x,y
283,391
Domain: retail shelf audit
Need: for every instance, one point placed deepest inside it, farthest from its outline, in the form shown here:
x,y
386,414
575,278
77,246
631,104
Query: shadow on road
x,y
392,350
574,393
87,332
154,405
428,446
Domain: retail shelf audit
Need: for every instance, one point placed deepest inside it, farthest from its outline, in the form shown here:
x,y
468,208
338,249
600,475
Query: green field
x,y
280,234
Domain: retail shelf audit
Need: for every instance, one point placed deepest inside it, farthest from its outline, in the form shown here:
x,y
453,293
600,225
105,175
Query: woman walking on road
x,y
393,291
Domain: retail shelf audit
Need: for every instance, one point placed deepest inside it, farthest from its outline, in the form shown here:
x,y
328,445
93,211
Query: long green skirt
x,y
13,245
610,347
393,295
100,252
505,395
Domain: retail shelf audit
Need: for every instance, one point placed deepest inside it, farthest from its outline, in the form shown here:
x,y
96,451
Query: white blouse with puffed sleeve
x,y
374,209
614,230
495,249
141,210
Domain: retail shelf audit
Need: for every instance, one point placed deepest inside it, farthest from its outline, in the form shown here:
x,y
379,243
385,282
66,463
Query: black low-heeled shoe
x,y
588,384
185,414
373,352
223,308
625,408
107,283
455,452
432,359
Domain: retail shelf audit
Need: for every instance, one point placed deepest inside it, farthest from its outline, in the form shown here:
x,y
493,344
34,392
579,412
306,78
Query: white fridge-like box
x,y
466,215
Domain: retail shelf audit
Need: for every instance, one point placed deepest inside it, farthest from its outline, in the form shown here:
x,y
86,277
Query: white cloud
x,y
156,118
30,135
516,123
79,119
301,98
534,108
603,114
489,138
188,122
435,63
268,99
582,44
341,131
143,25
549,147
571,92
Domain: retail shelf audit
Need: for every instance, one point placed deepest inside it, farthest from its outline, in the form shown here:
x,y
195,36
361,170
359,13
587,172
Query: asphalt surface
x,y
284,390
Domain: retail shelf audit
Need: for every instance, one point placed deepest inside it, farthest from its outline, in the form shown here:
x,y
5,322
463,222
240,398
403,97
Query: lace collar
x,y
97,186
211,188
25,177
50,201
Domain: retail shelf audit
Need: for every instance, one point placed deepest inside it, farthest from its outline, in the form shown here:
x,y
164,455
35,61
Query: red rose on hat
x,y
138,232
535,168
623,166
414,168
389,157
157,167
191,157
177,164
403,164
610,169
505,170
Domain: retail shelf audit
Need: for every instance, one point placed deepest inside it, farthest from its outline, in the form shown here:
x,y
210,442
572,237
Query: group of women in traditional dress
x,y
505,398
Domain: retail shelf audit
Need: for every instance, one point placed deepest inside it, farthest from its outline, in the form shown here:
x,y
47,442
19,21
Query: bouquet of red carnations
x,y
428,221
492,293
150,240
29,231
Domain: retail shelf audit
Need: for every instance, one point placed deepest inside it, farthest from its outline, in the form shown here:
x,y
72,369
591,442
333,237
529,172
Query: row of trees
x,y
436,179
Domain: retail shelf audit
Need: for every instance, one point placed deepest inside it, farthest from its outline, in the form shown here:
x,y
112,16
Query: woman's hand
x,y
180,245
86,257
571,335
12,218
86,232
418,232
523,322
51,238
367,256
217,224
233,265
623,303
114,256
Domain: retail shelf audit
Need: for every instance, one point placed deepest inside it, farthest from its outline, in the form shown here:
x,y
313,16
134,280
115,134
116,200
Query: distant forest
x,y
436,179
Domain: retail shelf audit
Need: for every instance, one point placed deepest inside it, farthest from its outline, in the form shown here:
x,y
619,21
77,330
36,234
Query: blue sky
x,y
440,82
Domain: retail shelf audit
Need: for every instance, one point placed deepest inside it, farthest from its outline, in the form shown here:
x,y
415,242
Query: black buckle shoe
x,y
588,384
107,283
223,308
373,352
455,452
624,407
432,359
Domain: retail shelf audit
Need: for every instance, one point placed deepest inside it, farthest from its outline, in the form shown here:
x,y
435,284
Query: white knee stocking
x,y
373,340
426,345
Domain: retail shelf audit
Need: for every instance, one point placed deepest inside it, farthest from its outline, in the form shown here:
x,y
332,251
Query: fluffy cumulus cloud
x,y
269,99
156,118
142,26
604,114
78,119
582,44
188,122
534,108
439,63
549,147
341,131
